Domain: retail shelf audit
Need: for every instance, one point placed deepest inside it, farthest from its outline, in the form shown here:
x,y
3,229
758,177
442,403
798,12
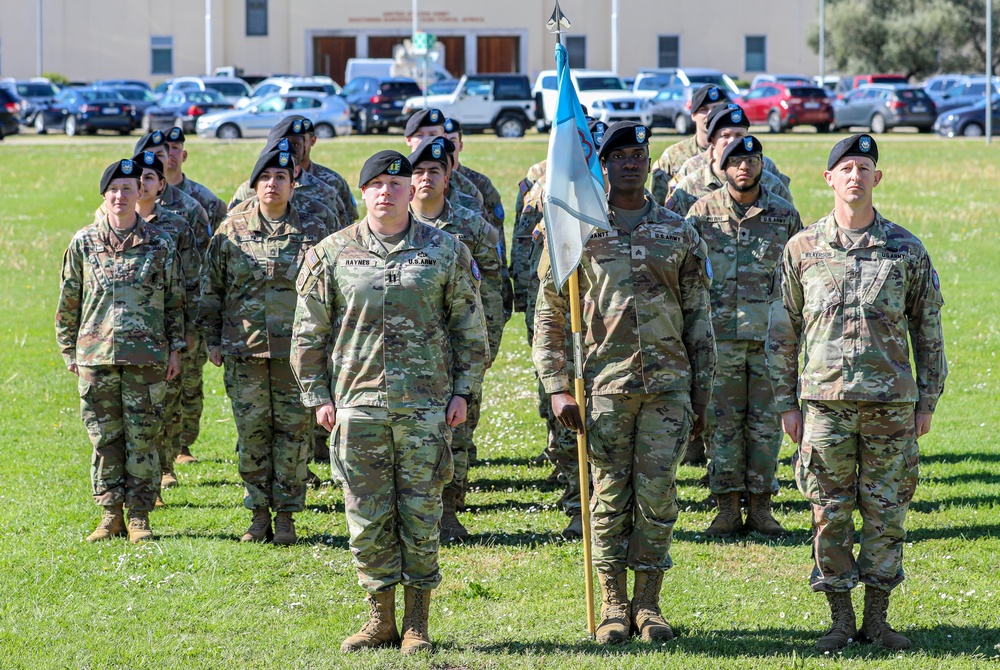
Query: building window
x,y
576,45
670,50
756,53
162,54
256,18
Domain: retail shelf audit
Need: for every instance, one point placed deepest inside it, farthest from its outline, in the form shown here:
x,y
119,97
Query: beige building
x,y
143,39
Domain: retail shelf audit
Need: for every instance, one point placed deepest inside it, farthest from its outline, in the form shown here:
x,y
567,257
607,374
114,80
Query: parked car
x,y
671,108
848,84
141,99
377,104
603,93
183,108
230,87
10,113
36,93
274,85
783,106
104,83
968,91
329,113
443,87
86,110
388,68
882,107
787,79
502,102
937,85
657,78
968,121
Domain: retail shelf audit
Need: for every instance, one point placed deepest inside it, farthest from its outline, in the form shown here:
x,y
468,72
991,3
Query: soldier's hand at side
x,y
189,341
326,416
72,368
174,364
791,423
923,420
567,411
457,409
215,355
700,420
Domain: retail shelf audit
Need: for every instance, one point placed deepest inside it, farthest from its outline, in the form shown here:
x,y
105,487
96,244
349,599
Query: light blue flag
x,y
574,202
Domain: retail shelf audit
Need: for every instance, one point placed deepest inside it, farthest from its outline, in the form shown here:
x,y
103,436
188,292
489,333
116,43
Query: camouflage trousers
x,y
463,449
857,455
122,407
394,465
635,443
560,449
192,391
743,429
274,432
173,410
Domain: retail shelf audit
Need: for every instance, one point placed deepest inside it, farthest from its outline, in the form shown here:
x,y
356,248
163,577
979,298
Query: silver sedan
x,y
329,113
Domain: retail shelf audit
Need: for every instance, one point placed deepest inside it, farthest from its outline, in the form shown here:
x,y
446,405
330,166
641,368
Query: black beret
x,y
707,95
744,146
150,141
622,134
432,149
273,159
731,116
452,126
148,160
288,126
276,144
385,162
175,134
123,169
425,117
598,129
862,144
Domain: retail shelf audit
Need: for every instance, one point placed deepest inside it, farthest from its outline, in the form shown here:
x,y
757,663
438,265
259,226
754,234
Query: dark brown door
x,y
454,54
498,54
381,46
330,56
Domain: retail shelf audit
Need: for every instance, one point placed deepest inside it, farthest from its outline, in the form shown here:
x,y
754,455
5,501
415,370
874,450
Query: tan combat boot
x,y
844,628
138,527
112,524
647,620
615,626
416,612
185,456
260,527
380,629
760,519
729,520
284,529
874,626
159,501
451,527
575,527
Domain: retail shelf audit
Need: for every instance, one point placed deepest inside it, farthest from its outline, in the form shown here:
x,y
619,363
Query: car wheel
x,y
824,128
774,122
70,126
509,126
40,124
324,130
877,124
124,131
363,125
972,129
228,131
682,125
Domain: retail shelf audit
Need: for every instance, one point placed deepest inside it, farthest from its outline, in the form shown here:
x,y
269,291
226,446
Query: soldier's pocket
x,y
157,396
596,444
804,477
444,468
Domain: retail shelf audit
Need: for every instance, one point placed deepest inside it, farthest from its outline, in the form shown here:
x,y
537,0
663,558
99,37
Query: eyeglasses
x,y
751,161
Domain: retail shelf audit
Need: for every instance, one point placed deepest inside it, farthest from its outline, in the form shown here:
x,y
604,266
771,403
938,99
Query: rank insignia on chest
x,y
744,235
392,278
639,253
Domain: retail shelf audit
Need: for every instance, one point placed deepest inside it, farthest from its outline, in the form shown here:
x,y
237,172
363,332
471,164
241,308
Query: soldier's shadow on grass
x,y
526,539
952,458
509,506
490,485
965,478
521,461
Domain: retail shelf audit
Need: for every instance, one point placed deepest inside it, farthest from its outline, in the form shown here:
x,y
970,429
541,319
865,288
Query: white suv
x,y
280,85
603,93
230,88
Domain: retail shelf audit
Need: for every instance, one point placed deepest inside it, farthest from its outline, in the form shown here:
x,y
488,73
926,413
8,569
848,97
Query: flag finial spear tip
x,y
558,23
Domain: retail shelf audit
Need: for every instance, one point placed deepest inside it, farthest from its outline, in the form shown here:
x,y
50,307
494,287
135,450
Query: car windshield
x,y
911,94
101,96
653,83
600,84
807,92
139,94
403,89
477,87
206,97
37,90
887,79
226,88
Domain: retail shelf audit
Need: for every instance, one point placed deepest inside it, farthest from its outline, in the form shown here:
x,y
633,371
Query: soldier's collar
x,y
414,238
877,234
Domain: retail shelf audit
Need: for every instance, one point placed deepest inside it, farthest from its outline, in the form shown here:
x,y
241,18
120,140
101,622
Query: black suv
x,y
10,112
377,104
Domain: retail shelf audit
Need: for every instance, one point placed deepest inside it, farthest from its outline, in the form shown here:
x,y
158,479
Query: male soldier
x,y
430,123
247,309
397,303
745,227
725,125
703,102
177,155
325,174
431,167
649,361
856,288
699,161
151,186
120,326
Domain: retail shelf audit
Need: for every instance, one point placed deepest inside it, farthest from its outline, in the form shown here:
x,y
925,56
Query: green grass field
x,y
512,597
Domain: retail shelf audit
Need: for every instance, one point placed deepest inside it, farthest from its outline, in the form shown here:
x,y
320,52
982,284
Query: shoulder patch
x,y
935,280
708,268
312,259
498,211
524,185
476,274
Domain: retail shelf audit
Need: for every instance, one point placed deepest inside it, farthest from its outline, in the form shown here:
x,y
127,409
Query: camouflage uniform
x,y
120,313
649,354
698,184
180,203
214,206
668,163
744,245
338,184
332,214
481,238
699,161
407,332
247,308
494,214
849,310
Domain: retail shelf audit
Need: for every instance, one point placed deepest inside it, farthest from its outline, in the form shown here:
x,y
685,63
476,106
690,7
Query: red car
x,y
783,106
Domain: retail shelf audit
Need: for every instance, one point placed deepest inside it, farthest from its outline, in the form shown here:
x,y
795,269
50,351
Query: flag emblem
x,y
394,167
